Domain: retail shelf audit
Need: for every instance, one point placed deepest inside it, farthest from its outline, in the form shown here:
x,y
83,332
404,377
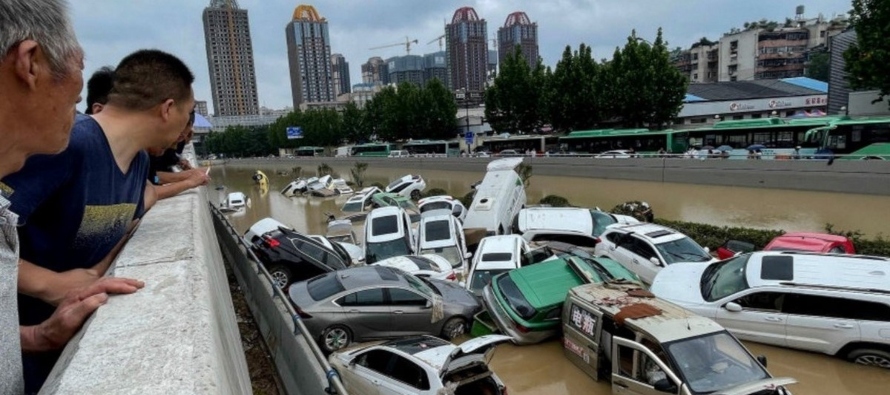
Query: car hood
x,y
756,387
453,293
680,283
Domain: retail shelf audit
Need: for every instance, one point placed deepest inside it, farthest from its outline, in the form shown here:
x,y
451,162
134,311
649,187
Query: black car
x,y
290,256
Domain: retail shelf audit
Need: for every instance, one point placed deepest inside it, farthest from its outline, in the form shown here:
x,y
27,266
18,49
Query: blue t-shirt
x,y
74,207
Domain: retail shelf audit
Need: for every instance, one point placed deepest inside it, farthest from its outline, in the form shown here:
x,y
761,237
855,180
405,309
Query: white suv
x,y
833,304
647,248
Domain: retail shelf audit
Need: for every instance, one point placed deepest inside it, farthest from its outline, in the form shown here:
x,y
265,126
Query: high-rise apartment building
x,y
466,39
518,30
201,107
408,68
340,68
699,63
309,57
374,71
230,59
434,66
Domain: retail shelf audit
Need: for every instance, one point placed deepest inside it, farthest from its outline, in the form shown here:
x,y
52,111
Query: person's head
x,y
159,85
41,75
98,87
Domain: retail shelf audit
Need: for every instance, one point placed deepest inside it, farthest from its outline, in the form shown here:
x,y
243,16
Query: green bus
x,y
372,149
432,148
642,141
864,138
776,137
519,143
309,151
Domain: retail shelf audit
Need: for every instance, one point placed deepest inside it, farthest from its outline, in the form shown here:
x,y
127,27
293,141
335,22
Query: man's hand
x,y
55,332
198,177
67,282
184,164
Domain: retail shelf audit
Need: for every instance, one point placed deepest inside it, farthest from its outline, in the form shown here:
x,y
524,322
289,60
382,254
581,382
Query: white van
x,y
343,151
399,154
498,198
648,346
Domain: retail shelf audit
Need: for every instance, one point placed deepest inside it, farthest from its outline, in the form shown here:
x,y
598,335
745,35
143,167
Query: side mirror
x,y
428,304
707,249
762,360
733,307
665,385
655,261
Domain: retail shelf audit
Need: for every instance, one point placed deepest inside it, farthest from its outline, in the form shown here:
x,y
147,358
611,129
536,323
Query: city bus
x,y
520,143
866,138
778,137
309,151
432,148
643,141
372,149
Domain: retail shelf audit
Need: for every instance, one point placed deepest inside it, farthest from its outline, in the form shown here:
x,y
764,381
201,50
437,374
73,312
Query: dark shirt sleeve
x,y
38,180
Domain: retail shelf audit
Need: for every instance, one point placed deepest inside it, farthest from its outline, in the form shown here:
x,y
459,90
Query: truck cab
x,y
648,346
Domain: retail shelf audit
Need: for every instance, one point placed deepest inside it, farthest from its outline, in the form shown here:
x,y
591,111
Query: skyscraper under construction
x,y
230,59
467,52
309,57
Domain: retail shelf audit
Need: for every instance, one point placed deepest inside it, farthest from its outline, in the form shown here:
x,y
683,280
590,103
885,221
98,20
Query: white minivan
x,y
440,233
498,198
387,234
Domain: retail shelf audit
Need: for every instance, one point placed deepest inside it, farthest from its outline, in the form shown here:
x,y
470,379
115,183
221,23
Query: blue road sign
x,y
469,137
294,132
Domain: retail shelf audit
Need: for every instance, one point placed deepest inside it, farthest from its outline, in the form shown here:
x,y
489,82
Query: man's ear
x,y
29,61
167,108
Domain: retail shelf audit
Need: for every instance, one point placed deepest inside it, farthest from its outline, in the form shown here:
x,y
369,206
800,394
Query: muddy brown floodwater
x,y
543,369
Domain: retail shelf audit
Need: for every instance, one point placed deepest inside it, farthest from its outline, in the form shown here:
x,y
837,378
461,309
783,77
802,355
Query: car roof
x,y
503,243
437,198
822,270
364,276
653,233
812,235
545,283
419,344
673,322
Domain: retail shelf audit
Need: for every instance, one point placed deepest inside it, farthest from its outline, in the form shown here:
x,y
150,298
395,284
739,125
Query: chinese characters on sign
x,y
583,321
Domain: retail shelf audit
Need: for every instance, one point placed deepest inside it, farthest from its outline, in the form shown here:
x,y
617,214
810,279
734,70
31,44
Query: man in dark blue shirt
x,y
75,208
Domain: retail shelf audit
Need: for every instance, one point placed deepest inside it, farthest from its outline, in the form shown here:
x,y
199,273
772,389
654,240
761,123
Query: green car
x,y
526,303
386,199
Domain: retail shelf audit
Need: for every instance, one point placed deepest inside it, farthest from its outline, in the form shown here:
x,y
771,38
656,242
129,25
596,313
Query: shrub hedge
x,y
555,201
435,192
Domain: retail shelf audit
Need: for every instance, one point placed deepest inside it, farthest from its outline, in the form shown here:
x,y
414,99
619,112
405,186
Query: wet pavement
x,y
543,369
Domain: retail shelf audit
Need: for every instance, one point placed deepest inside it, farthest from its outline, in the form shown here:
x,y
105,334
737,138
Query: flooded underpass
x,y
543,369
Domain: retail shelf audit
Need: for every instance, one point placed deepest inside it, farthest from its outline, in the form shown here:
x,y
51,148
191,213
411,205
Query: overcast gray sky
x,y
111,29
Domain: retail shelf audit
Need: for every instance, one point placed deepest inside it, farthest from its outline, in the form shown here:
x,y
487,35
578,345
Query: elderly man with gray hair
x,y
41,66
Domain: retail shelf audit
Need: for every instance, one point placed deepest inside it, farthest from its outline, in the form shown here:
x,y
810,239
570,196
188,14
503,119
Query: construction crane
x,y
439,39
407,45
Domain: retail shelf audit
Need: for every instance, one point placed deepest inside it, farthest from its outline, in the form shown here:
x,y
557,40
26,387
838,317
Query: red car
x,y
796,241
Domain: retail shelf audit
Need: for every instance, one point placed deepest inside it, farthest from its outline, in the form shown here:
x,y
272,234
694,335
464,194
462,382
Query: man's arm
x,y
166,177
55,332
195,178
150,197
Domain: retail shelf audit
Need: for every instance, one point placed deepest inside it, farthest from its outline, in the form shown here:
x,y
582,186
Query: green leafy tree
x,y
818,66
440,111
353,127
512,101
868,60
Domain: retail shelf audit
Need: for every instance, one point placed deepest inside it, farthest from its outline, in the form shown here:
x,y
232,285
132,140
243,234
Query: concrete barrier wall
x,y
844,176
300,373
178,335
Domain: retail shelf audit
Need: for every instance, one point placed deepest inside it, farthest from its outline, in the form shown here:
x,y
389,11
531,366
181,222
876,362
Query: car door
x,y
761,318
368,372
582,330
821,323
641,253
405,378
410,314
633,365
622,251
368,314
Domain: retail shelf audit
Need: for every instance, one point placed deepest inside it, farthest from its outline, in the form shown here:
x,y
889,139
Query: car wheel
x,y
415,194
870,357
455,327
335,338
280,276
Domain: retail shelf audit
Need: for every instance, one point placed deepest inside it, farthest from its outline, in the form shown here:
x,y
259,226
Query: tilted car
x,y
387,234
499,254
443,202
427,265
408,186
422,365
376,302
441,234
291,256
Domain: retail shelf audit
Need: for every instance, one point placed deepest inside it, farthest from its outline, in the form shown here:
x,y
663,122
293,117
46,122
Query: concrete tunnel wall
x,y
178,334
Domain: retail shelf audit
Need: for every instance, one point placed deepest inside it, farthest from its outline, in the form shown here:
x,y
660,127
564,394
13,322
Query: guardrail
x,y
291,348
699,155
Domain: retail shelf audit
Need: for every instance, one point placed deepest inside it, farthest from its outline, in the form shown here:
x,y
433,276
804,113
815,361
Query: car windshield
x,y
714,362
682,250
385,249
436,230
450,253
394,184
481,278
353,207
435,206
724,278
514,297
324,286
406,204
600,221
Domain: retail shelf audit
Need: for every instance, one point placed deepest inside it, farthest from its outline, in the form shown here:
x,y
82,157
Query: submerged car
x,y
421,365
387,234
443,202
427,265
377,302
290,256
441,234
408,186
526,303
360,201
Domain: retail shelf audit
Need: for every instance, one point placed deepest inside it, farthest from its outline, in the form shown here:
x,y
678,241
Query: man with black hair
x,y
98,87
75,208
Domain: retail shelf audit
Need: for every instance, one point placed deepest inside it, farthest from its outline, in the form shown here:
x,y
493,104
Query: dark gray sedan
x,y
374,302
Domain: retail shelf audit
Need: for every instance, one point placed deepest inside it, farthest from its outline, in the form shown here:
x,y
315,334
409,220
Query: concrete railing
x,y
179,334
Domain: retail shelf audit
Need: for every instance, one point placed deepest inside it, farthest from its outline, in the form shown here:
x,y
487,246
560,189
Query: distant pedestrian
x,y
758,154
796,154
